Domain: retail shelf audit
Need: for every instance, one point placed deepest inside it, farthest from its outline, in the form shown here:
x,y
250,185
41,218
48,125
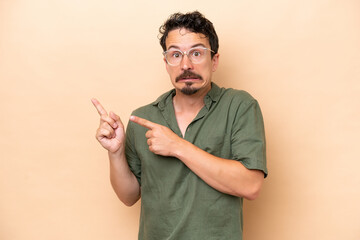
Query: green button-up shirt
x,y
175,203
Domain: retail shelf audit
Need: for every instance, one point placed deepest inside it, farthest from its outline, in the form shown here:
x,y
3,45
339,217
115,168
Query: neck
x,y
194,102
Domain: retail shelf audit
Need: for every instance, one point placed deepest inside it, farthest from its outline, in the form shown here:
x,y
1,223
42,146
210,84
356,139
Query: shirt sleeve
x,y
248,137
130,151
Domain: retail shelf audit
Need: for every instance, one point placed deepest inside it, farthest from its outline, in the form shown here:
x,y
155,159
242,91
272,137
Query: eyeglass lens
x,y
196,55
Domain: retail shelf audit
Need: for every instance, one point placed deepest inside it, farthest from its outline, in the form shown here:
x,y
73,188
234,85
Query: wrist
x,y
181,149
117,154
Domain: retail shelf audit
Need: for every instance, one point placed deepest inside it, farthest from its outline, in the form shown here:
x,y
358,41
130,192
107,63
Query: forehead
x,y
184,39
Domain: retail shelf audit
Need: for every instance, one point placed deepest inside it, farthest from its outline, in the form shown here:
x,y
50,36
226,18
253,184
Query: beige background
x,y
300,59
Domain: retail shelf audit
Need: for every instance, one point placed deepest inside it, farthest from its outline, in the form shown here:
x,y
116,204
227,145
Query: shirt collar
x,y
214,93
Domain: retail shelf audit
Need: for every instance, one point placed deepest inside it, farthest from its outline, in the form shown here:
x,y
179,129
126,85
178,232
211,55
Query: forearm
x,y
123,181
227,176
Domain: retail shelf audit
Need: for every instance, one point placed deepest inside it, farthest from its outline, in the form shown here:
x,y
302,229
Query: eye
x,y
196,53
176,54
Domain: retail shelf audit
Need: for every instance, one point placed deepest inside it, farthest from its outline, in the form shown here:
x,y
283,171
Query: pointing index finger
x,y
143,122
101,110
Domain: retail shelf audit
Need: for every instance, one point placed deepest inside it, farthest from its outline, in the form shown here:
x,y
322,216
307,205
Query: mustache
x,y
188,74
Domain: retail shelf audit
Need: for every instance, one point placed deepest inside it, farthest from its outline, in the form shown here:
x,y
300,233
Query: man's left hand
x,y
161,140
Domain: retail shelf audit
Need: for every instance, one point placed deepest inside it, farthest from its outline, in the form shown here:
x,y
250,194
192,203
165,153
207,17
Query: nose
x,y
186,63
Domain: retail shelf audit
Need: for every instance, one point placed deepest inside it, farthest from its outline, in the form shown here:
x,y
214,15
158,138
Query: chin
x,y
189,90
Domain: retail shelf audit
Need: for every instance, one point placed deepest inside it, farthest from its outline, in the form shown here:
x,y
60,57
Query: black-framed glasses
x,y
196,55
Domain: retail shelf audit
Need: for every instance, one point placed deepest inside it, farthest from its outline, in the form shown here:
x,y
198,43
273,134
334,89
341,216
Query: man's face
x,y
188,77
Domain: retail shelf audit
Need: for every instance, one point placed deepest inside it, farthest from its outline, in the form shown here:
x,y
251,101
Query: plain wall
x,y
300,59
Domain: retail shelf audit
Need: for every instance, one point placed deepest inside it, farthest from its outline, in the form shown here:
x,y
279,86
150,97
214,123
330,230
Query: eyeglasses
x,y
196,55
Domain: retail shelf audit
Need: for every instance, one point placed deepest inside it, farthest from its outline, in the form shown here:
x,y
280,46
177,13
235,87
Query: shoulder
x,y
239,94
237,102
143,110
236,96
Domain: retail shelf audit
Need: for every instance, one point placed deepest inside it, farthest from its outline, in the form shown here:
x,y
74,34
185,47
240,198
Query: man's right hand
x,y
111,133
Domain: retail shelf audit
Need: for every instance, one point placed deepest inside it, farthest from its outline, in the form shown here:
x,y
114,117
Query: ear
x,y
215,62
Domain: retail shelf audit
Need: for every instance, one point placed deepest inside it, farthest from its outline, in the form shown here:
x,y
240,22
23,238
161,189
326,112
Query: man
x,y
194,153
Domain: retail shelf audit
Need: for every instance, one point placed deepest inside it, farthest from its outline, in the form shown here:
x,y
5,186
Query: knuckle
x,y
98,133
105,125
152,149
106,119
102,132
105,132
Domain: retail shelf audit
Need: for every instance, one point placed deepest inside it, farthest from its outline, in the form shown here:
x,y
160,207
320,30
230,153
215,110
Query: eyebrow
x,y
196,45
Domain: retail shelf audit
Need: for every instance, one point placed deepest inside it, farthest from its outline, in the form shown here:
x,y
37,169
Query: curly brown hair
x,y
192,21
